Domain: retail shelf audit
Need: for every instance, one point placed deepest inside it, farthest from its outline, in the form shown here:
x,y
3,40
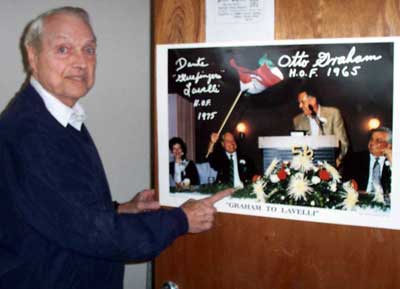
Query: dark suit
x,y
220,162
58,226
190,172
357,166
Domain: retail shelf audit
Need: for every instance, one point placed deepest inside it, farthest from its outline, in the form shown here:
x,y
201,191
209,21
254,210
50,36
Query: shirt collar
x,y
318,113
381,159
231,154
64,114
312,121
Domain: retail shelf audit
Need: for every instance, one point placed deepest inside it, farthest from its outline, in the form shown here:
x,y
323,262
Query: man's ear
x,y
313,100
32,58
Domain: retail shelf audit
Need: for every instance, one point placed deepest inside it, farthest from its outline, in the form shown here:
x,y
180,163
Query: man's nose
x,y
79,60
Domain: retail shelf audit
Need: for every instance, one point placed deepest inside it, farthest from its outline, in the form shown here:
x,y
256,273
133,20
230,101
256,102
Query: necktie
x,y
376,175
231,172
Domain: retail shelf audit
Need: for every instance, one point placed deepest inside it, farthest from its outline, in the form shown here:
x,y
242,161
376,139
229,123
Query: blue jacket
x,y
58,227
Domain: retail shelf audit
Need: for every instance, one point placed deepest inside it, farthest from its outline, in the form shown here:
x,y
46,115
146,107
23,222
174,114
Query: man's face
x,y
378,143
66,61
229,143
305,101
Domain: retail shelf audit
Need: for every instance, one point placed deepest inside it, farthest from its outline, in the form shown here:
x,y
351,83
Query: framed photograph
x,y
304,129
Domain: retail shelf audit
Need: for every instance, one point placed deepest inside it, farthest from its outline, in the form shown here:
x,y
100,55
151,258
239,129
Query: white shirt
x,y
179,168
372,159
313,123
64,114
236,178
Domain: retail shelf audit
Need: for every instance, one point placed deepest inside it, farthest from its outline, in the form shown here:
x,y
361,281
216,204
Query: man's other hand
x,y
142,202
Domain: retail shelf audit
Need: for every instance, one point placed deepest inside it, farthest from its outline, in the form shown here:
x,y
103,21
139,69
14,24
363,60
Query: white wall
x,y
118,106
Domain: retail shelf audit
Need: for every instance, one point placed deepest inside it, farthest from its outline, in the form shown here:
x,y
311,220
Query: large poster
x,y
304,130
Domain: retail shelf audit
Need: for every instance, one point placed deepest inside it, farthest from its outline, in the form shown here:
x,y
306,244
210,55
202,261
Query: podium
x,y
280,147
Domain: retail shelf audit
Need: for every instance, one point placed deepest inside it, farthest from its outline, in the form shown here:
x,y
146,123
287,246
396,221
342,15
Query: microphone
x,y
313,113
315,116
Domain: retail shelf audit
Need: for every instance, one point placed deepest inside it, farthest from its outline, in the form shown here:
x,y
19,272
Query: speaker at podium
x,y
325,147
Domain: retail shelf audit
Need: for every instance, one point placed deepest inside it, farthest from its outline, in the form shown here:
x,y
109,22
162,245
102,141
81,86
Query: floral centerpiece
x,y
305,183
301,182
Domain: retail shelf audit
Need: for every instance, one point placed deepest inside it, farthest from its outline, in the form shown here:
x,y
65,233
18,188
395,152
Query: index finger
x,y
219,196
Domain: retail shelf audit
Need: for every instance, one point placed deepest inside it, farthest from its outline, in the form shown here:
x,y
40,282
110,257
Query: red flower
x,y
354,184
324,175
282,175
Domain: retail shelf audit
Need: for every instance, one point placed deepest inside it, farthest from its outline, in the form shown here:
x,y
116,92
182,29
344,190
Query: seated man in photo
x,y
371,169
234,168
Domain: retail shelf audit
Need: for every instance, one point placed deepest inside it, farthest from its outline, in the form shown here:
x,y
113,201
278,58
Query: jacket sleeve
x,y
48,191
216,157
340,131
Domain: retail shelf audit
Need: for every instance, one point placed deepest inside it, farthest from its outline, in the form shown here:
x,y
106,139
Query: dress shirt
x,y
64,114
179,169
237,182
313,123
372,159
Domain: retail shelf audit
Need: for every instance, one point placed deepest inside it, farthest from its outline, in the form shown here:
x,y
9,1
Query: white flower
x,y
350,201
299,187
333,186
186,182
271,167
332,171
258,190
351,197
287,171
302,163
312,203
274,178
348,187
282,198
258,186
242,161
315,180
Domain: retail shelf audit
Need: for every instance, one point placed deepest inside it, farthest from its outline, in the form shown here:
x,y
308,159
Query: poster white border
x,y
389,220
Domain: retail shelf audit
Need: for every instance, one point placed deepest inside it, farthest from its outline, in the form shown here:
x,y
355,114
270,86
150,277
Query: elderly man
x,y
371,169
321,120
234,168
58,225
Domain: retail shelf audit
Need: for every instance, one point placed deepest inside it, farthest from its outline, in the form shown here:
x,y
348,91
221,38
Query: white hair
x,y
382,129
34,29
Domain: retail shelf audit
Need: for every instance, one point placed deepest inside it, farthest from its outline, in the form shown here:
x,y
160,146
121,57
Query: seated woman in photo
x,y
182,170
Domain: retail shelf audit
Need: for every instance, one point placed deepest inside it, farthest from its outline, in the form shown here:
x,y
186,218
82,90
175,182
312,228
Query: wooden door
x,y
243,252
